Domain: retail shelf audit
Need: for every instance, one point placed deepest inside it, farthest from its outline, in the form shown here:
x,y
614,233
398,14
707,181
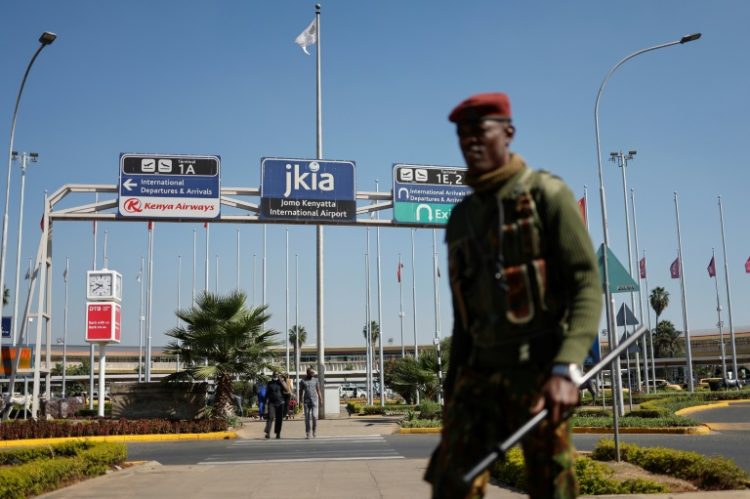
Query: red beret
x,y
482,106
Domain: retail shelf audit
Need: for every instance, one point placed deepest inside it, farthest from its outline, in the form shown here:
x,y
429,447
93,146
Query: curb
x,y
217,435
687,430
713,405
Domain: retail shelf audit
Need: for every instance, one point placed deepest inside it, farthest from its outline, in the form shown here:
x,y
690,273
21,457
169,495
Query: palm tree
x,y
293,341
406,375
221,339
374,336
659,300
667,340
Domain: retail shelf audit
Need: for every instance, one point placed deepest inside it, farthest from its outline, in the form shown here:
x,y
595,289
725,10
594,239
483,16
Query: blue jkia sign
x,y
307,190
6,325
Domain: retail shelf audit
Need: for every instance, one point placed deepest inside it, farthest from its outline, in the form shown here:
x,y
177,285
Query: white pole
x,y
105,255
286,299
217,274
688,349
263,288
368,322
414,300
401,304
319,228
195,238
102,367
149,304
91,346
253,277
436,340
25,157
208,232
65,327
141,319
179,298
380,312
719,323
729,294
238,260
644,339
296,323
650,330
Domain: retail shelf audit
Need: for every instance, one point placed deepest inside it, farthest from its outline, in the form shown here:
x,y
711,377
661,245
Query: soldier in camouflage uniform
x,y
527,303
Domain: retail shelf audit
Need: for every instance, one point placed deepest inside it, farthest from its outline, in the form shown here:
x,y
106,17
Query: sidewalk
x,y
388,479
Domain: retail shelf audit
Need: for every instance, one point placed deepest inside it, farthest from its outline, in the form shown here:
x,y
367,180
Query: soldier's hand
x,y
559,395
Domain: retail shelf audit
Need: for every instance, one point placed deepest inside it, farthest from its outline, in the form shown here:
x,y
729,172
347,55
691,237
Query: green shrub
x,y
17,430
706,473
421,423
25,455
430,410
353,408
44,474
593,478
373,409
647,413
593,413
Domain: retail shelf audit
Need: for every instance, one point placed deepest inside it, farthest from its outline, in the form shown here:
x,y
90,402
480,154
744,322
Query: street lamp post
x,y
605,227
44,40
25,158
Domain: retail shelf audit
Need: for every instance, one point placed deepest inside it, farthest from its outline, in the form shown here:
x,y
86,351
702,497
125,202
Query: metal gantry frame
x,y
100,211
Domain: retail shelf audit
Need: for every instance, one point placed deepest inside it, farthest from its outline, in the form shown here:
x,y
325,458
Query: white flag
x,y
308,37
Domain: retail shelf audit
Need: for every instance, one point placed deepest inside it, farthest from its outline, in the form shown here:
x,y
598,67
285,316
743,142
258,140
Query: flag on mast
x,y
582,207
747,266
398,271
308,37
674,269
642,267
712,268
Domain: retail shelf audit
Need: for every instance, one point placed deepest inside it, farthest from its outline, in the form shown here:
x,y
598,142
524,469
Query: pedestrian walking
x,y
526,304
310,394
275,391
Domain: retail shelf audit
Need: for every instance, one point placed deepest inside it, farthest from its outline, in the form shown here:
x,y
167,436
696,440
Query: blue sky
x,y
226,78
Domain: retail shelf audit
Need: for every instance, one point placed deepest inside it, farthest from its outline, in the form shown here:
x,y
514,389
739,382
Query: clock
x,y
103,285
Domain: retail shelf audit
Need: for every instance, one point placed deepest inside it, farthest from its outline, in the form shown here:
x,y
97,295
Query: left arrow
x,y
129,184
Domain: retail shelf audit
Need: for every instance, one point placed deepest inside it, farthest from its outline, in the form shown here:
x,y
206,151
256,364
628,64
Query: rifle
x,y
501,448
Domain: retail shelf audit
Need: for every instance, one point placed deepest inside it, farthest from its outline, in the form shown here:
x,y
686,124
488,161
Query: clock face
x,y
100,285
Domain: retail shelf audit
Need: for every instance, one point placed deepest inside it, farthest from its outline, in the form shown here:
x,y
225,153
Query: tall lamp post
x,y
605,227
44,40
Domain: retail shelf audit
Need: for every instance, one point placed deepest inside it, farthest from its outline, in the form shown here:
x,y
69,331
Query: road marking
x,y
302,460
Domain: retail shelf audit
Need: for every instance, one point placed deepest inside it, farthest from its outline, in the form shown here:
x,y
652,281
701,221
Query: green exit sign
x,y
425,213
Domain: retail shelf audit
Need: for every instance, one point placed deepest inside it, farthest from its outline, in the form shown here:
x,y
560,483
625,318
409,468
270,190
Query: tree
x,y
293,341
659,300
222,339
667,341
406,375
374,336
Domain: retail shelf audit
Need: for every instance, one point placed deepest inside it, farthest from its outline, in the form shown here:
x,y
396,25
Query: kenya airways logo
x,y
132,205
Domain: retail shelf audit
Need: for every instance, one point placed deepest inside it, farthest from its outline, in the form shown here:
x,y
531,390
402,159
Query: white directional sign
x,y
169,186
427,194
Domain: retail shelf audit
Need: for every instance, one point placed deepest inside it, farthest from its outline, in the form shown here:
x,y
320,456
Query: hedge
x,y
706,473
17,430
47,473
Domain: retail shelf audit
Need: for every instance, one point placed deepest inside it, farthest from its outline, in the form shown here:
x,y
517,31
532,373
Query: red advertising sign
x,y
103,322
8,355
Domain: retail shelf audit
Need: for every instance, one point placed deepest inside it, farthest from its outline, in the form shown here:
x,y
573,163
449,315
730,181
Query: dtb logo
x,y
297,180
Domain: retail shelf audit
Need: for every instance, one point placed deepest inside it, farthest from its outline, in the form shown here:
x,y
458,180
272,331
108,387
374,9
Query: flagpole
x,y
586,206
179,298
254,265
414,300
689,369
65,328
205,285
140,326
368,324
381,366
401,304
263,288
238,259
286,299
729,295
437,314
195,237
296,323
650,331
149,304
319,228
712,266
105,256
217,275
644,342
91,345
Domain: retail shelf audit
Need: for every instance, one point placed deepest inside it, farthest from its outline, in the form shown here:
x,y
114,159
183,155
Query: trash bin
x,y
332,399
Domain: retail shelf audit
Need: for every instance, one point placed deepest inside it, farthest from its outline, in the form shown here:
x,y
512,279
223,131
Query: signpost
x,y
307,190
6,325
426,194
169,186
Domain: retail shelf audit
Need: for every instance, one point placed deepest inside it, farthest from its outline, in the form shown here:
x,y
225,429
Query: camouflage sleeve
x,y
576,261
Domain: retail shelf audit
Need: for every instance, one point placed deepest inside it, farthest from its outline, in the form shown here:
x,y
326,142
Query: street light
x,y
603,202
25,158
46,39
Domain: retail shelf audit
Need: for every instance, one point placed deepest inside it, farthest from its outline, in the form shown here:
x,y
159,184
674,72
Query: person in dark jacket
x,y
275,393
